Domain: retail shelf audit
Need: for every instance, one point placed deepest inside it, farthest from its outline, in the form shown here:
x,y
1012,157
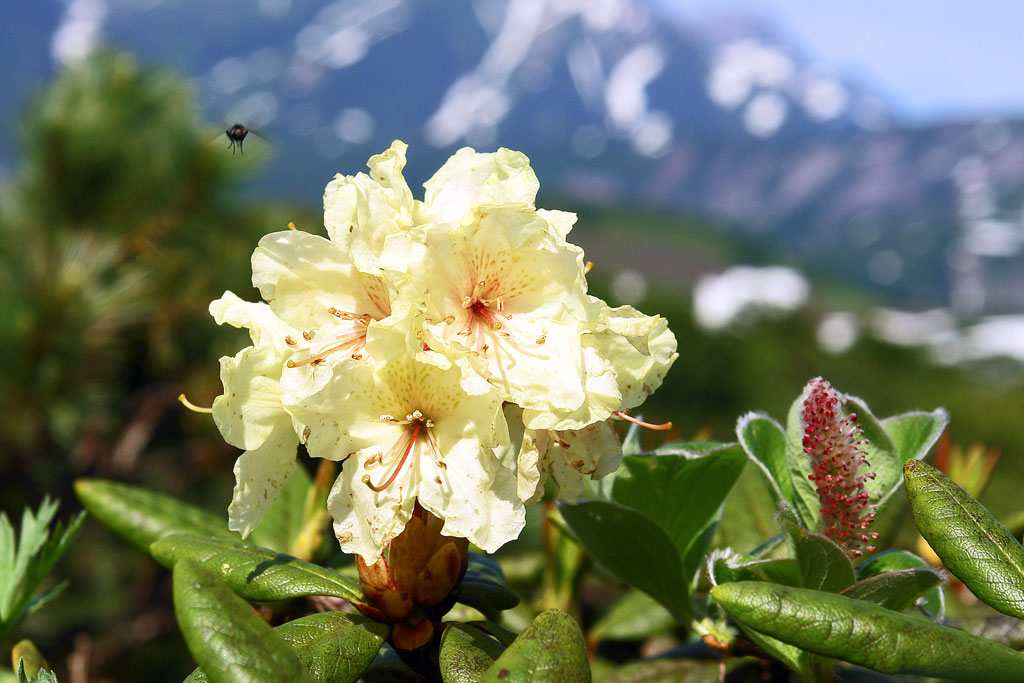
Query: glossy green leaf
x,y
969,540
764,441
484,586
823,564
634,549
141,516
896,590
496,631
634,616
466,653
255,573
743,567
549,649
932,602
859,632
335,647
683,495
790,655
282,523
663,671
228,640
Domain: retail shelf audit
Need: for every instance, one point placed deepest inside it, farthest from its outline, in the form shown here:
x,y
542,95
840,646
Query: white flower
x,y
407,431
361,211
470,179
509,293
250,415
567,456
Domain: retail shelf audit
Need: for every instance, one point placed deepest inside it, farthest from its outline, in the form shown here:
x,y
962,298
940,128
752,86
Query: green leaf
x,y
683,495
726,568
549,649
881,451
823,564
970,541
466,653
855,631
634,616
141,516
895,590
933,603
663,671
334,647
484,586
748,517
26,560
634,549
793,657
40,676
764,441
283,521
255,573
228,640
915,433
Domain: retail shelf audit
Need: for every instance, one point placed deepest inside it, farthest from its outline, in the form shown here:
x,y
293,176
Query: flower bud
x,y
414,580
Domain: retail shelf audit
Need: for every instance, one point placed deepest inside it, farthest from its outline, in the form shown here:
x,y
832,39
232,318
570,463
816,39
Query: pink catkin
x,y
832,442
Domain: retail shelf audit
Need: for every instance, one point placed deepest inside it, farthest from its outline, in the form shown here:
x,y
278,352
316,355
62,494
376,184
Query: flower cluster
x,y
445,351
833,443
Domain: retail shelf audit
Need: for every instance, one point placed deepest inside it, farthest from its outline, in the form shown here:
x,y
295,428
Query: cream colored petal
x,y
265,328
469,179
602,395
250,408
361,211
365,520
303,277
638,374
260,475
474,495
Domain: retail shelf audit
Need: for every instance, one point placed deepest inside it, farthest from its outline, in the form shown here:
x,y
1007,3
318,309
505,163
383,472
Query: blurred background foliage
x,y
129,214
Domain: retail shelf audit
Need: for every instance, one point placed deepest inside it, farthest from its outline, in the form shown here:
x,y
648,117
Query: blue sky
x,y
928,59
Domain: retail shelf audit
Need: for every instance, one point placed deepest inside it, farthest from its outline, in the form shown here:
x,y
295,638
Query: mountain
x,y
615,104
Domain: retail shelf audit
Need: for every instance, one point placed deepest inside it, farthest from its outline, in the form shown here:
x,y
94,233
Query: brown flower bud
x,y
419,570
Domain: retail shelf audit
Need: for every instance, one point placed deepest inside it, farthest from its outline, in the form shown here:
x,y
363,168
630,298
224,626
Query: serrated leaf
x,y
932,602
859,632
549,649
823,564
141,516
972,544
634,616
25,562
633,548
484,586
282,523
764,441
255,573
334,647
466,653
683,495
895,590
228,640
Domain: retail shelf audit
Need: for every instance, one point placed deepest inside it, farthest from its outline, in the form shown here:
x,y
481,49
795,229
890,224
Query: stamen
x,y
398,467
192,406
291,226
587,267
648,425
307,336
289,341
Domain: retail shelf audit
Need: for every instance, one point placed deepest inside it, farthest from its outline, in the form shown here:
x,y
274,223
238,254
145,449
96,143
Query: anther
x,y
289,341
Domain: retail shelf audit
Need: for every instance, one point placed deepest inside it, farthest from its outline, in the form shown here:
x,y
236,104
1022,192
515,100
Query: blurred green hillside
x,y
127,217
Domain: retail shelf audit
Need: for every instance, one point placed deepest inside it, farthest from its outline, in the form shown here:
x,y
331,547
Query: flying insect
x,y
236,135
